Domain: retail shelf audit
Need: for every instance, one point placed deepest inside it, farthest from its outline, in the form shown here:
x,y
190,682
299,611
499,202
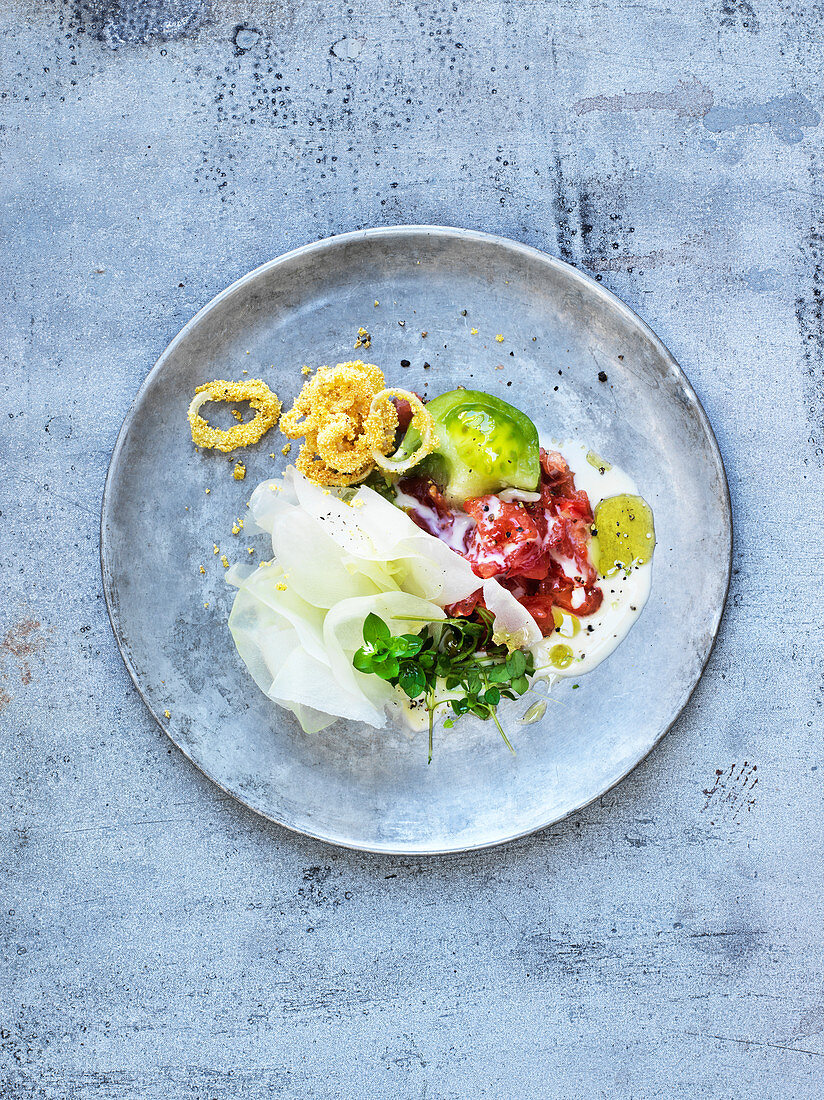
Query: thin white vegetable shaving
x,y
298,620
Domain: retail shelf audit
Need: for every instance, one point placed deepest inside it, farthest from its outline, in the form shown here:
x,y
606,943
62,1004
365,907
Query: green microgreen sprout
x,y
477,672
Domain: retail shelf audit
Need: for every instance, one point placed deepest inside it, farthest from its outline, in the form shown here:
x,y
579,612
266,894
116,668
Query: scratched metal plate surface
x,y
353,785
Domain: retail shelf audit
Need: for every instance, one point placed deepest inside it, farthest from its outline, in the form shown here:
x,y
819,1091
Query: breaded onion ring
x,y
259,396
331,413
421,419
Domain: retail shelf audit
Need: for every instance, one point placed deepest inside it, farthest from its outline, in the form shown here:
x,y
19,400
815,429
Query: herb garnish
x,y
459,651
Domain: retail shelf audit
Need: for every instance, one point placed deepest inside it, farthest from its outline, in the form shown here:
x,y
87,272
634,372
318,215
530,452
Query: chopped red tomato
x,y
556,476
506,539
529,547
466,607
404,411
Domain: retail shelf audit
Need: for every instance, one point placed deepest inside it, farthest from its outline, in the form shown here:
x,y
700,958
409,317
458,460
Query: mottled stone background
x,y
157,939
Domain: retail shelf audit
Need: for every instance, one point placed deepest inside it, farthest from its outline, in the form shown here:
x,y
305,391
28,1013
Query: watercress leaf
x,y
516,664
375,630
413,682
492,696
448,723
412,644
388,670
520,685
363,661
481,711
497,674
460,706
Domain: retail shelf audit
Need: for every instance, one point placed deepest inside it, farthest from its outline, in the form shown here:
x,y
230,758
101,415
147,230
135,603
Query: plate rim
x,y
402,231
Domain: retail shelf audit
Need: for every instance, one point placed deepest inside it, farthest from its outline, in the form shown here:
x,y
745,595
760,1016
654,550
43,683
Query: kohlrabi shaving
x,y
298,620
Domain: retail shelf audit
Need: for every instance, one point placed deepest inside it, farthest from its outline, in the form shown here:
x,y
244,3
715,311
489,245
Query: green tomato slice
x,y
484,445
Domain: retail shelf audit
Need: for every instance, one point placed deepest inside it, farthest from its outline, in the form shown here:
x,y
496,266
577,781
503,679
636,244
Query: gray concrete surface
x,y
157,939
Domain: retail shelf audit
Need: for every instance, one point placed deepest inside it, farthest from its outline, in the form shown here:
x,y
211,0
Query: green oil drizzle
x,y
625,534
600,464
561,656
566,624
535,713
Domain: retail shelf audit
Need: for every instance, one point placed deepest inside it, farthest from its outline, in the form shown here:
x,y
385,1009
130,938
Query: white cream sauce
x,y
624,596
453,532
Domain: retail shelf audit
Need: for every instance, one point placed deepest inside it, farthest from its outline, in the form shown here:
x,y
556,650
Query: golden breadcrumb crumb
x,y
500,338
208,491
251,550
237,414
239,472
202,570
305,370
364,340
205,605
217,548
281,587
273,455
377,303
224,561
473,332
286,449
259,396
166,714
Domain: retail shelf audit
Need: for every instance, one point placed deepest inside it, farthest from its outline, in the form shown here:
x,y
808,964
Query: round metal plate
x,y
352,785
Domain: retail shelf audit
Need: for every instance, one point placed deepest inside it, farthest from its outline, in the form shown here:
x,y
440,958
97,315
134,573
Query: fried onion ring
x,y
259,396
421,419
331,413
